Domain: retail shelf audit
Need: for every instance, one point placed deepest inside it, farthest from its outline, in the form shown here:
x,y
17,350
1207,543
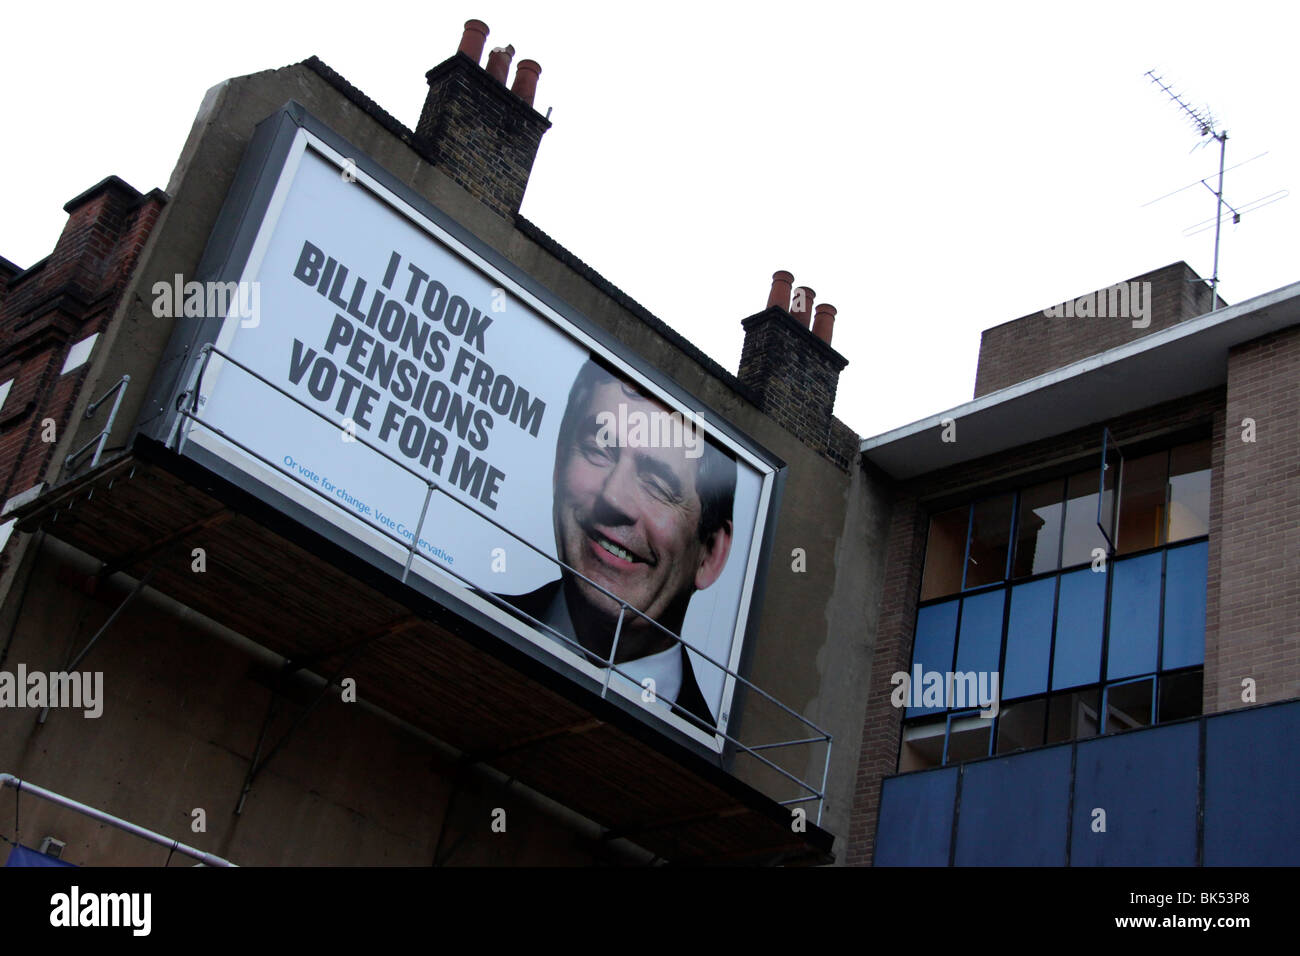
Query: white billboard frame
x,y
306,144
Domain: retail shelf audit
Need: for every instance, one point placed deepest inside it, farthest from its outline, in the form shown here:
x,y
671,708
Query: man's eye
x,y
595,451
660,489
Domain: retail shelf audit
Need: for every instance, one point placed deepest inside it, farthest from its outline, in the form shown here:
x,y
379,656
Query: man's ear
x,y
714,557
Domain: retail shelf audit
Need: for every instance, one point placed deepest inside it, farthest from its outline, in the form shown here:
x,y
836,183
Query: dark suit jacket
x,y
537,604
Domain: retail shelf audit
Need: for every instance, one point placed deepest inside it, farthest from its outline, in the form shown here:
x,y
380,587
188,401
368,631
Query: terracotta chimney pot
x,y
780,294
526,73
824,322
498,65
802,305
473,39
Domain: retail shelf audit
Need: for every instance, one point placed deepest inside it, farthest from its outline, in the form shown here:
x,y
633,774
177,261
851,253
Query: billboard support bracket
x,y
256,766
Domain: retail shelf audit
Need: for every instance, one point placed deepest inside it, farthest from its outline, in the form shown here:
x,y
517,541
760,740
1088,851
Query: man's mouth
x,y
614,548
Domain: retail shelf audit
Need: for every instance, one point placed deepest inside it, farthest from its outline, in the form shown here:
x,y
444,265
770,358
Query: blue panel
x,y
1134,617
21,856
1252,788
1145,782
1185,584
1029,639
936,631
980,643
1014,810
1081,609
915,826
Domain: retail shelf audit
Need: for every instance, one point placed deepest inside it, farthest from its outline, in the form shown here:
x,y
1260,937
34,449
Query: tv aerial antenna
x,y
1205,124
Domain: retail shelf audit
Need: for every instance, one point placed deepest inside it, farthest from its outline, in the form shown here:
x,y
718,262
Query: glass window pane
x,y
1142,502
990,537
922,745
1129,705
1185,585
1134,616
1080,610
1029,639
1189,491
1081,532
936,630
1180,695
1073,716
1021,725
969,737
1038,528
1113,462
980,643
945,552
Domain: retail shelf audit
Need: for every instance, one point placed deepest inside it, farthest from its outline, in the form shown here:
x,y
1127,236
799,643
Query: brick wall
x,y
1258,601
794,376
481,134
881,729
1036,343
907,533
56,303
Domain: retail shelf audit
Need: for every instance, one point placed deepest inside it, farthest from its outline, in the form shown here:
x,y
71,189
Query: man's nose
x,y
618,493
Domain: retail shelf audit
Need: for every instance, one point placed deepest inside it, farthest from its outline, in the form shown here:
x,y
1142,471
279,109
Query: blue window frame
x,y
1025,596
1134,639
1080,623
1029,639
1184,638
980,643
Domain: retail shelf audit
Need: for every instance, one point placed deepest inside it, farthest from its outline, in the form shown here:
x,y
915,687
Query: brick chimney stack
x,y
60,302
793,370
482,134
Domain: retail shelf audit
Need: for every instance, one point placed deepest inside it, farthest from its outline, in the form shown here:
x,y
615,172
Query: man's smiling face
x,y
628,517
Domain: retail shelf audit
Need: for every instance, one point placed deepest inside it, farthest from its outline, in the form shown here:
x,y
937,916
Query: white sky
x,y
930,169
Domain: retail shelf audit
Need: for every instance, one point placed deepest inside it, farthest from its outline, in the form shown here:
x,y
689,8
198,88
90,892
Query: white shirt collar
x,y
663,667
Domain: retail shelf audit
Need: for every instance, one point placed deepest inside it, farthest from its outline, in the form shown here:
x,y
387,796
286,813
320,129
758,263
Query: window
x,y
1189,491
990,540
1038,529
1012,592
1029,639
1134,616
4,392
1082,536
945,553
1142,488
79,353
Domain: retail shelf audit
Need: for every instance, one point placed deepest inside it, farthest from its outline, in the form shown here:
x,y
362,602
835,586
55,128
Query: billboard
x,y
401,383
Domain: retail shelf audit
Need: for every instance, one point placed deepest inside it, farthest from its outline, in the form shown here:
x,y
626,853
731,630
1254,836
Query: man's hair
x,y
715,477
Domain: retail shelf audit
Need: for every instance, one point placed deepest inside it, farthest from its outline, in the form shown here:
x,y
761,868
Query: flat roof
x,y
1181,360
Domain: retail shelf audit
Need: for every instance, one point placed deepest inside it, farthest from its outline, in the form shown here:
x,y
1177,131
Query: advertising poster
x,y
412,395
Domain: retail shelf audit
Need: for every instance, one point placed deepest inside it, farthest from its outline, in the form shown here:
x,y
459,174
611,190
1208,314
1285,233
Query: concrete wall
x,y
183,704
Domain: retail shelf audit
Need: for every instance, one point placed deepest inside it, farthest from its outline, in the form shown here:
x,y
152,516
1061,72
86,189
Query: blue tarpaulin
x,y
21,856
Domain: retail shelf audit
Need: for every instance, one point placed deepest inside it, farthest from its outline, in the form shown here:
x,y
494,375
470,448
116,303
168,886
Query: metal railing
x,y
98,441
175,846
187,405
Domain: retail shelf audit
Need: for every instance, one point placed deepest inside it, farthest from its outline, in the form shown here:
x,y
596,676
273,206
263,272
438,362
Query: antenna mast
x,y
1205,126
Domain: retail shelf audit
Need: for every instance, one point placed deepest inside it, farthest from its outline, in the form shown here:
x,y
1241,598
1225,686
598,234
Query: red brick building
x,y
51,315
